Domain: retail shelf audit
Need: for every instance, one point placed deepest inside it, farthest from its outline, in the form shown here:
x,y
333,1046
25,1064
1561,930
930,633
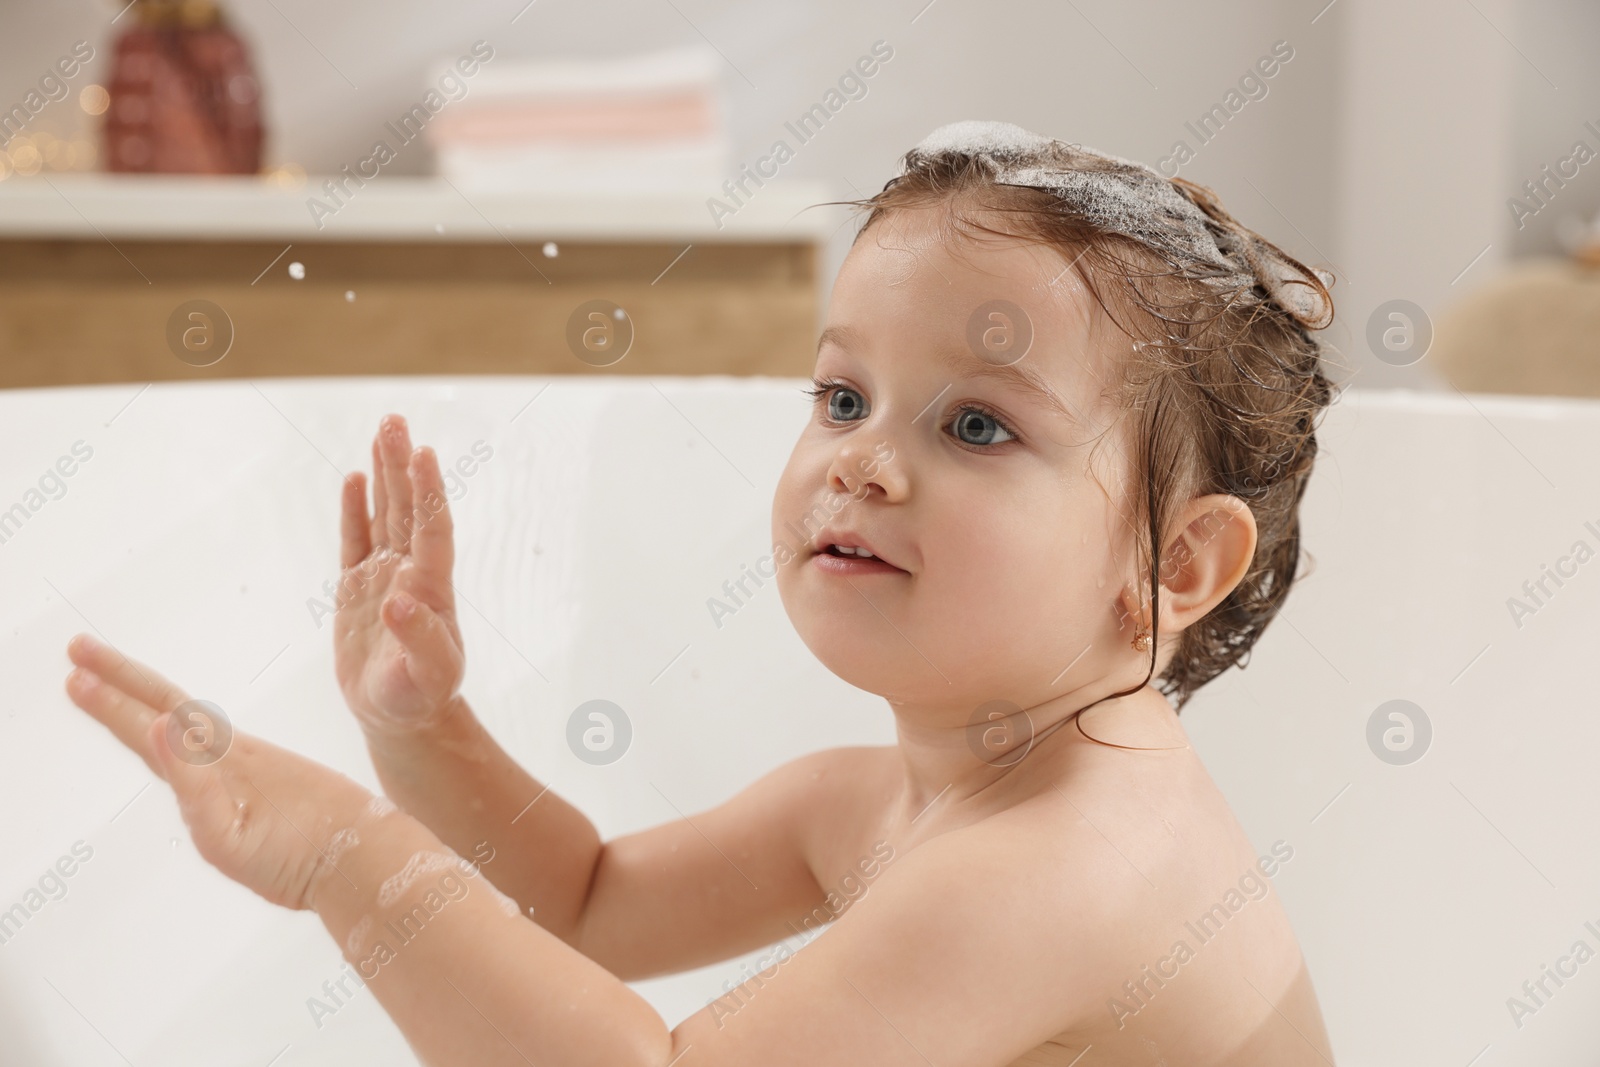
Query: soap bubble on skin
x,y
506,904
420,863
349,296
358,935
550,250
297,270
380,805
342,842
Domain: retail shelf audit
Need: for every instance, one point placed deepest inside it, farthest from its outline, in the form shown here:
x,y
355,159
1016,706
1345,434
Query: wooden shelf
x,y
410,277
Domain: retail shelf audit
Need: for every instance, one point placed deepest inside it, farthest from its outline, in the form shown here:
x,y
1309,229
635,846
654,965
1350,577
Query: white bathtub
x,y
588,545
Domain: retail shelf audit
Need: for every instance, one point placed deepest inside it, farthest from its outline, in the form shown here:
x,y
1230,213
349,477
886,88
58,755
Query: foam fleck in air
x,y
1135,200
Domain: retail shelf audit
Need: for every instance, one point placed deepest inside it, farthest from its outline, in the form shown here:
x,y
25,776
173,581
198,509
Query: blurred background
x,y
1434,157
593,240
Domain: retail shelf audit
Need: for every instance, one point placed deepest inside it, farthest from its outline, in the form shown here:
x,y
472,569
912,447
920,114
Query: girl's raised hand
x,y
266,817
397,649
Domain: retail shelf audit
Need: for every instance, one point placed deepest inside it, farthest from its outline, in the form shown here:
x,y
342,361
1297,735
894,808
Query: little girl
x,y
1063,415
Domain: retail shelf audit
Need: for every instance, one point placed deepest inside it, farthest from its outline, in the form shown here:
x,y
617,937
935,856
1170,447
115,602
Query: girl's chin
x,y
890,669
863,661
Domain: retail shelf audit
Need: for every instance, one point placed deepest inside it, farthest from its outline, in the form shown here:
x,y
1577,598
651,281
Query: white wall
x,y
1424,158
1557,91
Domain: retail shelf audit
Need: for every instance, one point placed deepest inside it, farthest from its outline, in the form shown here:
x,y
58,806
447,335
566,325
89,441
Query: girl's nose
x,y
864,463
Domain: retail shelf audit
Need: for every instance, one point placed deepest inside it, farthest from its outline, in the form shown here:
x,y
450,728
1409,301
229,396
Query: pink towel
x,y
629,117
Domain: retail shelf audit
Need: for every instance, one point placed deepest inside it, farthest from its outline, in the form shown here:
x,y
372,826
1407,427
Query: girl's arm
x,y
400,660
950,958
467,980
747,873
683,894
977,945
456,779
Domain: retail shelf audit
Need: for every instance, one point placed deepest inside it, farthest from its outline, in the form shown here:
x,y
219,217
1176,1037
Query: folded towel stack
x,y
655,121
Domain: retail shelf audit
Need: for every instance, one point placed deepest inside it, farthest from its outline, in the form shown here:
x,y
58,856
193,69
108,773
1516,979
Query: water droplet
x,y
349,296
297,270
550,249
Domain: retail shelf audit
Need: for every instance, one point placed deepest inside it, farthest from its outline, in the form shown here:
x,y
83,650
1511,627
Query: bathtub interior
x,y
198,536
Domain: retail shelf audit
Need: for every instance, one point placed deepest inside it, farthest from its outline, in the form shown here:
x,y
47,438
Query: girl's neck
x,y
979,763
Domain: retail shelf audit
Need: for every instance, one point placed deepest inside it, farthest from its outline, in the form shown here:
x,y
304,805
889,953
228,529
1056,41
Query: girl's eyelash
x,y
821,387
971,405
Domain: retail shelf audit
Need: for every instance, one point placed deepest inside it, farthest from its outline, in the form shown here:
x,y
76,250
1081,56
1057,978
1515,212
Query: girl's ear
x,y
1206,560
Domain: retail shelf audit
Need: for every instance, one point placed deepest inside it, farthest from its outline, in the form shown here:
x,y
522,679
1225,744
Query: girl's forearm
x,y
458,781
466,979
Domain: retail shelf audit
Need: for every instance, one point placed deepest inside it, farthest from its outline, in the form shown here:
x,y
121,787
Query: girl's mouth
x,y
850,562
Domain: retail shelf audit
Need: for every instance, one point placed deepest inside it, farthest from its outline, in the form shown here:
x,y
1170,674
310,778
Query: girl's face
x,y
973,487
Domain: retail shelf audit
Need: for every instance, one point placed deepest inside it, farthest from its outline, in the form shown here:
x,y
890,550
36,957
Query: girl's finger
x,y
433,542
396,453
131,677
380,492
128,719
433,659
354,526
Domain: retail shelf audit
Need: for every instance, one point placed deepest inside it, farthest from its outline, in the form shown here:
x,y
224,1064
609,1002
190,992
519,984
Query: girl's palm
x,y
264,816
397,649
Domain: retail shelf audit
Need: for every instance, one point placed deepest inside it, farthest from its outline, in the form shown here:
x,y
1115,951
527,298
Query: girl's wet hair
x,y
1223,381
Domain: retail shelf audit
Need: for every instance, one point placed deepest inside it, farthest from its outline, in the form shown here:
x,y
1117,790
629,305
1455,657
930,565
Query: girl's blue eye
x,y
982,426
845,404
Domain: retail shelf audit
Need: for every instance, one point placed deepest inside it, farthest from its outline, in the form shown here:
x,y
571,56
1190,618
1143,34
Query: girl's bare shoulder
x,y
1067,901
1187,921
